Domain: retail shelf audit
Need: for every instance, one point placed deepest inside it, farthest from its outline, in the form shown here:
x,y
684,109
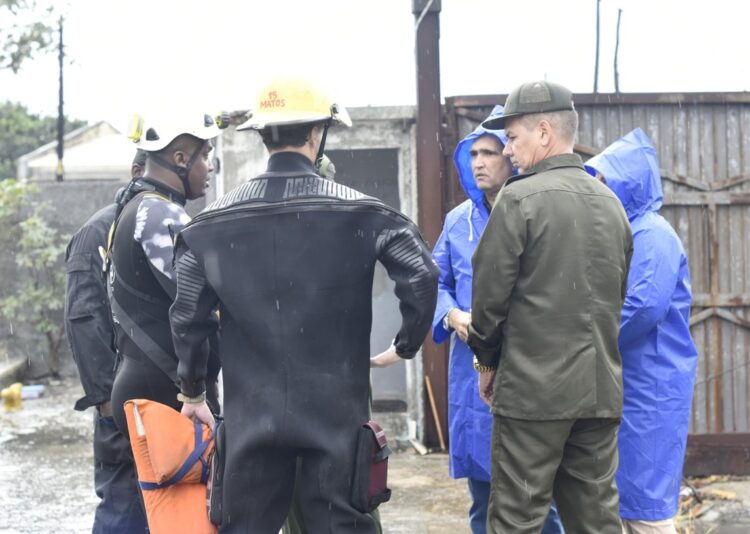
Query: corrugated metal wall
x,y
703,142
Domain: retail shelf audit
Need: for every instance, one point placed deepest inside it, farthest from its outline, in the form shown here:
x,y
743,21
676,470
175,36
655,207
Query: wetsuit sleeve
x,y
157,223
446,297
496,264
193,321
405,255
88,322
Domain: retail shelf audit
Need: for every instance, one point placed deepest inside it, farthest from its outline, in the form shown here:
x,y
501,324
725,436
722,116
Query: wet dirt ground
x,y
46,480
46,475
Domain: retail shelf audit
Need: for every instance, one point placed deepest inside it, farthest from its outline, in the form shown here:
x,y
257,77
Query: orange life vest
x,y
172,455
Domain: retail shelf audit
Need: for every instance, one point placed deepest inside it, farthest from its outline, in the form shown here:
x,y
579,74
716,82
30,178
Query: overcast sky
x,y
143,55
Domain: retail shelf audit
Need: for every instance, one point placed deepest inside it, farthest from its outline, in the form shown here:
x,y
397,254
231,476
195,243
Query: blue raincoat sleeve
x,y
651,283
446,286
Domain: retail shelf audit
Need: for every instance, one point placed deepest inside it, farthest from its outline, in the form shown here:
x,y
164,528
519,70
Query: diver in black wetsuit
x,y
141,277
289,259
88,324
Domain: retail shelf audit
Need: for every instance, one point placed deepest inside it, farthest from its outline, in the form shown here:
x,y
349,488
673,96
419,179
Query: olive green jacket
x,y
550,273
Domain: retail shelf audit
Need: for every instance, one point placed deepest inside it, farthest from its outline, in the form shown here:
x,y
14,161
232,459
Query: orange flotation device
x,y
172,456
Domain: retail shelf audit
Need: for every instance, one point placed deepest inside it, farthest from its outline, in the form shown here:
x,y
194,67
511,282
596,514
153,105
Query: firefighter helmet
x,y
293,101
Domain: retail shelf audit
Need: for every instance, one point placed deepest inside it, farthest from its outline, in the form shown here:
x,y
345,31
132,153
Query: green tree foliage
x,y
21,132
39,291
12,197
25,31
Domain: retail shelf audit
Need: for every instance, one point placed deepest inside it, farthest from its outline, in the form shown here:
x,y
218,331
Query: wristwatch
x,y
191,400
446,322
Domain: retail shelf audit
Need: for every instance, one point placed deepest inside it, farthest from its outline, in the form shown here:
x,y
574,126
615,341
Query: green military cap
x,y
532,97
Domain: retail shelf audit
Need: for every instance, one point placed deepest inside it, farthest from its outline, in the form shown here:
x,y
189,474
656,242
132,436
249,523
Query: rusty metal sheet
x,y
611,99
718,454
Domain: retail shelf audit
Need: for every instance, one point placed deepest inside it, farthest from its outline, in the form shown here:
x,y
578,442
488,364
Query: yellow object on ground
x,y
12,397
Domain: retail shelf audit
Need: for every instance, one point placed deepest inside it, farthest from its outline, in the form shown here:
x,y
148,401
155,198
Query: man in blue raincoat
x,y
482,172
658,356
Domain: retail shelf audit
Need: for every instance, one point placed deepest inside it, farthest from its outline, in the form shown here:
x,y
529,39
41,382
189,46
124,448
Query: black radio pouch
x,y
370,479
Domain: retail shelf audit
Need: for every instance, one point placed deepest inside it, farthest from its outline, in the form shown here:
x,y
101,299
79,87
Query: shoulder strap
x,y
106,253
143,341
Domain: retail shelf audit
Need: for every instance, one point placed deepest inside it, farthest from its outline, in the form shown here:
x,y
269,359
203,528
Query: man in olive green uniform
x,y
550,273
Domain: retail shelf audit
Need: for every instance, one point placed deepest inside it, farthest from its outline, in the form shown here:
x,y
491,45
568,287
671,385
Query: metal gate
x,y
703,144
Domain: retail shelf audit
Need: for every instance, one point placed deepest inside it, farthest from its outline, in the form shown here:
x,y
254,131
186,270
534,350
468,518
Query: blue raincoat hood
x,y
462,157
632,171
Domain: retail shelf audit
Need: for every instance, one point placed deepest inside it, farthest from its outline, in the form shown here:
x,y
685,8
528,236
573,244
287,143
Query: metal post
x,y
60,115
430,179
617,51
596,61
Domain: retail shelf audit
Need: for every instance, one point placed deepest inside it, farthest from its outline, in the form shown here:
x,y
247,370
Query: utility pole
x,y
60,115
430,188
596,61
617,51
429,116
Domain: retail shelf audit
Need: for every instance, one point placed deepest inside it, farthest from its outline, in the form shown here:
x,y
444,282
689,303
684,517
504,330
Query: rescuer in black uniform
x,y
141,277
289,259
88,324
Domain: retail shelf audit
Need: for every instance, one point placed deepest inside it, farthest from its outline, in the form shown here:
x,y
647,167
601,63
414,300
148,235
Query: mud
x,y
46,475
46,464
46,480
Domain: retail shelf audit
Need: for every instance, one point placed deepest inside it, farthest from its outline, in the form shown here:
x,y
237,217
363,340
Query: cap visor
x,y
498,123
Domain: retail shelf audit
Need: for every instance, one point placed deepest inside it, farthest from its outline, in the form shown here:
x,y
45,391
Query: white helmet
x,y
153,135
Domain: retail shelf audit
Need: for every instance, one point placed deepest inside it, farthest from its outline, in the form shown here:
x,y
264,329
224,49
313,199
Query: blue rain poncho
x,y
469,419
658,356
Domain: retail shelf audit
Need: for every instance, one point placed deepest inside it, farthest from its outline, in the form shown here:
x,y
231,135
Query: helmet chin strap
x,y
182,172
319,157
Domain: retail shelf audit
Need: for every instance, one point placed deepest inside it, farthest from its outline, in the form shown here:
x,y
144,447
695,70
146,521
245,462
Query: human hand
x,y
459,321
199,412
487,386
386,358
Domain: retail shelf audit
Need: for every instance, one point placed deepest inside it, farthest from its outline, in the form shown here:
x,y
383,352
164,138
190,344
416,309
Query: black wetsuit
x,y
88,324
289,257
142,286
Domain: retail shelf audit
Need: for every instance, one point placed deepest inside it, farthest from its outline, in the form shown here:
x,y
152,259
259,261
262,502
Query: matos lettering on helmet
x,y
272,101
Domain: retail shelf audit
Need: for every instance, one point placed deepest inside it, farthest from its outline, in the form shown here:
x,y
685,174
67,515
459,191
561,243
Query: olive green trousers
x,y
572,460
